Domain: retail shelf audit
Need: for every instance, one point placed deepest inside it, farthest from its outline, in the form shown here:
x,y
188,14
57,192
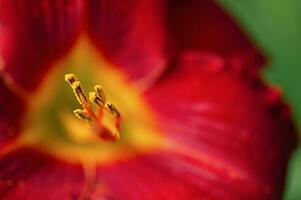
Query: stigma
x,y
105,122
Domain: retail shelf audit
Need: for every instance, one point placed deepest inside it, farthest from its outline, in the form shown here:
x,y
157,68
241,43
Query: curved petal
x,y
33,34
12,109
131,34
229,126
202,24
26,174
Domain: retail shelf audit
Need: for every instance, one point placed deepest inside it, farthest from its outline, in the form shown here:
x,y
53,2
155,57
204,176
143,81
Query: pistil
x,y
105,109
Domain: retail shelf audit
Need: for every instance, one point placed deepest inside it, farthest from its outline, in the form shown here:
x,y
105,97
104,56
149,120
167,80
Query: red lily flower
x,y
197,120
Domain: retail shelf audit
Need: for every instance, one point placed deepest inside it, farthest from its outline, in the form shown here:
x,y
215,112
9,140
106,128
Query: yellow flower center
x,y
50,125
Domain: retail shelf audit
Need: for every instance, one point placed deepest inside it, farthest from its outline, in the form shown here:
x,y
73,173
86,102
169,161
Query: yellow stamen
x,y
113,109
71,78
100,92
87,114
95,99
79,92
81,114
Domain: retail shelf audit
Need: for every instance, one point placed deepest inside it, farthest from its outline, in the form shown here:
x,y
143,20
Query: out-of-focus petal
x,y
33,34
229,127
11,112
131,34
168,175
202,24
26,174
147,177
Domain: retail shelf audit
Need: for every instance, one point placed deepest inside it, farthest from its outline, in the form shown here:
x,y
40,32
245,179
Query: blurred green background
x,y
276,26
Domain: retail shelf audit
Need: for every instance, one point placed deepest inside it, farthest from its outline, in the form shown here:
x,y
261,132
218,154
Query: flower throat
x,y
49,125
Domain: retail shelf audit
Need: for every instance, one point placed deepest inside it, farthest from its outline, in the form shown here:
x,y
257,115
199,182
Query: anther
x,y
76,87
79,92
82,115
100,92
95,99
113,109
70,78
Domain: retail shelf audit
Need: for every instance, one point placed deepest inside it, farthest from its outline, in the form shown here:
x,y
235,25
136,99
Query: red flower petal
x,y
135,35
26,174
202,24
131,34
147,177
34,34
229,124
171,176
12,109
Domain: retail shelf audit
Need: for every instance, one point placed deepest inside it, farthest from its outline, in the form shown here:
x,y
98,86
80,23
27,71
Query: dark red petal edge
x,y
34,34
29,175
11,111
204,24
131,34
